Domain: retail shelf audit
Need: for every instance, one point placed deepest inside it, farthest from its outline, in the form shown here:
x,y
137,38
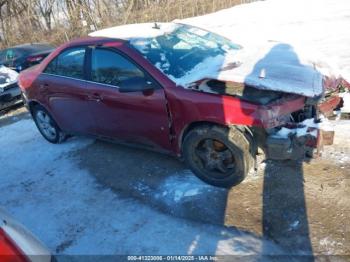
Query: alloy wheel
x,y
45,124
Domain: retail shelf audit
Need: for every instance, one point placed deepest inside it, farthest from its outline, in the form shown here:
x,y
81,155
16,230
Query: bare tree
x,y
56,21
46,9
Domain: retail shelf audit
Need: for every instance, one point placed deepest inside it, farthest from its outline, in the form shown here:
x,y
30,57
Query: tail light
x,y
9,252
35,59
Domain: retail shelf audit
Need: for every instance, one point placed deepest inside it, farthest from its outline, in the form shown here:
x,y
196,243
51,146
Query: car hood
x,y
274,67
7,77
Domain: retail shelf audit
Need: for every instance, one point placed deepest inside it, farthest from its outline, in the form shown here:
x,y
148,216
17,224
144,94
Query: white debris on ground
x,y
294,225
330,245
64,206
182,187
7,76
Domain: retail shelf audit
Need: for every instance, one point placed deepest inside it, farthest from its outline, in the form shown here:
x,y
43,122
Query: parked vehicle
x,y
159,86
10,93
21,57
17,244
12,61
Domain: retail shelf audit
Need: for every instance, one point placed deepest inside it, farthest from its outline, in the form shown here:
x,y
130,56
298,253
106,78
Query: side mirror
x,y
135,84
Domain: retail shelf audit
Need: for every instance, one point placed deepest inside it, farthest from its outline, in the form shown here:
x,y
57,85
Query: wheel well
x,y
194,125
31,105
244,129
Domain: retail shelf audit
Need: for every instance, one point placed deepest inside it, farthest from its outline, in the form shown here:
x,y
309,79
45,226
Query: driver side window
x,y
110,68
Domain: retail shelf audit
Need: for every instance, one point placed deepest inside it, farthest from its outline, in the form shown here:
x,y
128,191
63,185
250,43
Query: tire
x,y
47,126
216,167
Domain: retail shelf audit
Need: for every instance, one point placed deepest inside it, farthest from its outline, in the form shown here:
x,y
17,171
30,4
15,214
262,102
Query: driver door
x,y
134,117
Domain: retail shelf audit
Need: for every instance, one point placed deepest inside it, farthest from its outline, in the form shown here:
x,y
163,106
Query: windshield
x,y
178,52
8,56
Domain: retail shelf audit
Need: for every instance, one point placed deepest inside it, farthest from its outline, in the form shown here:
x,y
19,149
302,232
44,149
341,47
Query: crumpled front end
x,y
332,100
294,141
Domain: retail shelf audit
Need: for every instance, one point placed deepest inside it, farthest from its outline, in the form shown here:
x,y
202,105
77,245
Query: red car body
x,y
157,119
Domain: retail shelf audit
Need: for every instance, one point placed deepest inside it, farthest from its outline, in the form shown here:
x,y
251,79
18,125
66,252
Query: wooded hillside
x,y
56,21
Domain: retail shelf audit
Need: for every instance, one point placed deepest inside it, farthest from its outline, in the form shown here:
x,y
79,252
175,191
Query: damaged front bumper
x,y
306,139
298,142
10,95
293,147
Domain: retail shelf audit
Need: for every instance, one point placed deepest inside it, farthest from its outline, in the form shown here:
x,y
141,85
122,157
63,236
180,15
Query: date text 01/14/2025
x,y
173,258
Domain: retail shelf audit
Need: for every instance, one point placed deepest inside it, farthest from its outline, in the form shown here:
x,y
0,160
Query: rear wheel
x,y
219,156
47,126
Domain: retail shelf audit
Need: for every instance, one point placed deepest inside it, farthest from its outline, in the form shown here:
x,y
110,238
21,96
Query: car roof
x,y
131,31
90,41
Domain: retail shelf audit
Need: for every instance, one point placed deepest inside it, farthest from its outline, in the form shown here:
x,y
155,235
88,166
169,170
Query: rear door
x,y
64,88
135,117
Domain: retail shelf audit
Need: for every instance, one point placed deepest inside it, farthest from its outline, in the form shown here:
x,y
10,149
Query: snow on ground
x,y
178,188
340,150
71,213
317,29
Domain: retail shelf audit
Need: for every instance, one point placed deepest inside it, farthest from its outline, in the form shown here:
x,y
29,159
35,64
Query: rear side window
x,y
9,55
110,68
69,63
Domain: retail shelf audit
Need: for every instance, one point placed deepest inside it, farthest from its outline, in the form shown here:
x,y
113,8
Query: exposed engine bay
x,y
302,131
239,90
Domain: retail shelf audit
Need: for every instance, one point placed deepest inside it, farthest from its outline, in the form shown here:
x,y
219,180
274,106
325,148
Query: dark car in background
x,y
21,57
18,58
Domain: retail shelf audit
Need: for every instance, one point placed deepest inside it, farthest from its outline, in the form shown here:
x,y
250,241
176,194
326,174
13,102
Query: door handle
x,y
95,97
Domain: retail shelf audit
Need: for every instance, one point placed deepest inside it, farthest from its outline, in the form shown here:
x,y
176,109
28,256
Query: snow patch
x,y
271,66
307,127
7,76
136,31
64,206
315,29
182,187
346,104
294,225
329,244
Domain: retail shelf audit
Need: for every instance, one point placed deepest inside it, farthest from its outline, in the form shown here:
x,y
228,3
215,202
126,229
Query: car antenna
x,y
156,26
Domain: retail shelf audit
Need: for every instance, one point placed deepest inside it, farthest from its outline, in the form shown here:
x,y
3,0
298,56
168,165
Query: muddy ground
x,y
302,206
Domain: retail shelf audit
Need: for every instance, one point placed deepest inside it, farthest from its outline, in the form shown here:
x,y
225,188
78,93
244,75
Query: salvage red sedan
x,y
175,88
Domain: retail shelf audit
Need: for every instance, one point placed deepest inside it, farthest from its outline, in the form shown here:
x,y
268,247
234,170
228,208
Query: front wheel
x,y
47,126
217,155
